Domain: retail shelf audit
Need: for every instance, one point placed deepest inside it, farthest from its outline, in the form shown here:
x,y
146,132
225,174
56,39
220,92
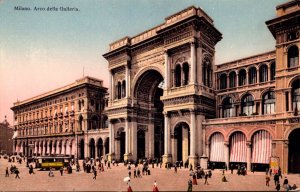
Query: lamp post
x,y
27,164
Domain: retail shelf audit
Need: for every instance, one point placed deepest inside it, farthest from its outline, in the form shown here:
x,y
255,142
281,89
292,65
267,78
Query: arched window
x,y
296,95
185,69
232,79
119,90
228,108
177,76
209,75
247,105
207,72
242,77
268,101
252,75
263,73
293,56
123,88
273,68
223,81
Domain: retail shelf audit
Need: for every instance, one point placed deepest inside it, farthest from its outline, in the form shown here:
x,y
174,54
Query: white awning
x,y
15,135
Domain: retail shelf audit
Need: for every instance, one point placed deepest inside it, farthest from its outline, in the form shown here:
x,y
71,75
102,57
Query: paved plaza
x,y
112,180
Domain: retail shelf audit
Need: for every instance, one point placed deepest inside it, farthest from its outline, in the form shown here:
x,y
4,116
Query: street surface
x,y
112,180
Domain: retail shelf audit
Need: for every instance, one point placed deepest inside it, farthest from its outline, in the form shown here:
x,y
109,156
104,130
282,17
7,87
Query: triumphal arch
x,y
162,89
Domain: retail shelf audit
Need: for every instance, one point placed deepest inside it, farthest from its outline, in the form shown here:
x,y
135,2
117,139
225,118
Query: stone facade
x,y
168,97
6,141
66,121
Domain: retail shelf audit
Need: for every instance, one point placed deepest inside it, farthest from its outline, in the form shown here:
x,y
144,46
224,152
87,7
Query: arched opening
x,y
99,148
141,144
185,68
81,146
178,76
232,79
261,150
238,149
294,152
223,81
106,146
273,71
50,148
263,73
182,141
217,155
296,96
228,108
92,148
242,77
119,89
95,122
293,56
123,88
247,105
268,102
252,75
148,91
80,123
121,143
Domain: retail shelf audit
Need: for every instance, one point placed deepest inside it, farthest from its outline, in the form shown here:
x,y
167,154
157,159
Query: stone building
x,y
66,121
6,134
169,98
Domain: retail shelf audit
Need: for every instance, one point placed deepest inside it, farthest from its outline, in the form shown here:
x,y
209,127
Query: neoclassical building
x,y
168,97
66,121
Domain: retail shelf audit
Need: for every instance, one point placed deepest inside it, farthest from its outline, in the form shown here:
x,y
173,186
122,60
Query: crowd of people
x,y
143,168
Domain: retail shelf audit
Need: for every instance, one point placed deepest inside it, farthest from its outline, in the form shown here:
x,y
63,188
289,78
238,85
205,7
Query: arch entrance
x,y
182,142
150,118
294,151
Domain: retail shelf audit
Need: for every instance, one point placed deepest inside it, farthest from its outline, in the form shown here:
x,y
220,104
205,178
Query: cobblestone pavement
x,y
112,180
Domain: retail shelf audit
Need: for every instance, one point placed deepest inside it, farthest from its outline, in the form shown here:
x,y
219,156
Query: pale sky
x,y
44,50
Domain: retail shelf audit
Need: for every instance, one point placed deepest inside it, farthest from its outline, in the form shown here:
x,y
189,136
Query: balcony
x,y
240,119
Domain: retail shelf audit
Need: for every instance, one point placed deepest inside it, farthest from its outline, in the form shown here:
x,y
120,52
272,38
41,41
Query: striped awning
x,y
261,147
217,148
238,148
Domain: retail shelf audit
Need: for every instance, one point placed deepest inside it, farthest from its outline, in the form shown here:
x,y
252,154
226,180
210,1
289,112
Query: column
x,y
193,134
127,81
151,139
166,132
167,69
193,63
290,101
127,139
111,85
166,156
269,72
111,141
227,81
226,151
248,143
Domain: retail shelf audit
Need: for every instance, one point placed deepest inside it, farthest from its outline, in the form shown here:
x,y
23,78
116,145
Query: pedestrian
x,y
6,172
175,168
194,179
190,185
17,172
279,173
51,174
134,174
276,179
278,187
129,189
139,173
267,180
231,168
206,177
270,172
108,165
129,174
95,174
286,184
61,171
155,188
